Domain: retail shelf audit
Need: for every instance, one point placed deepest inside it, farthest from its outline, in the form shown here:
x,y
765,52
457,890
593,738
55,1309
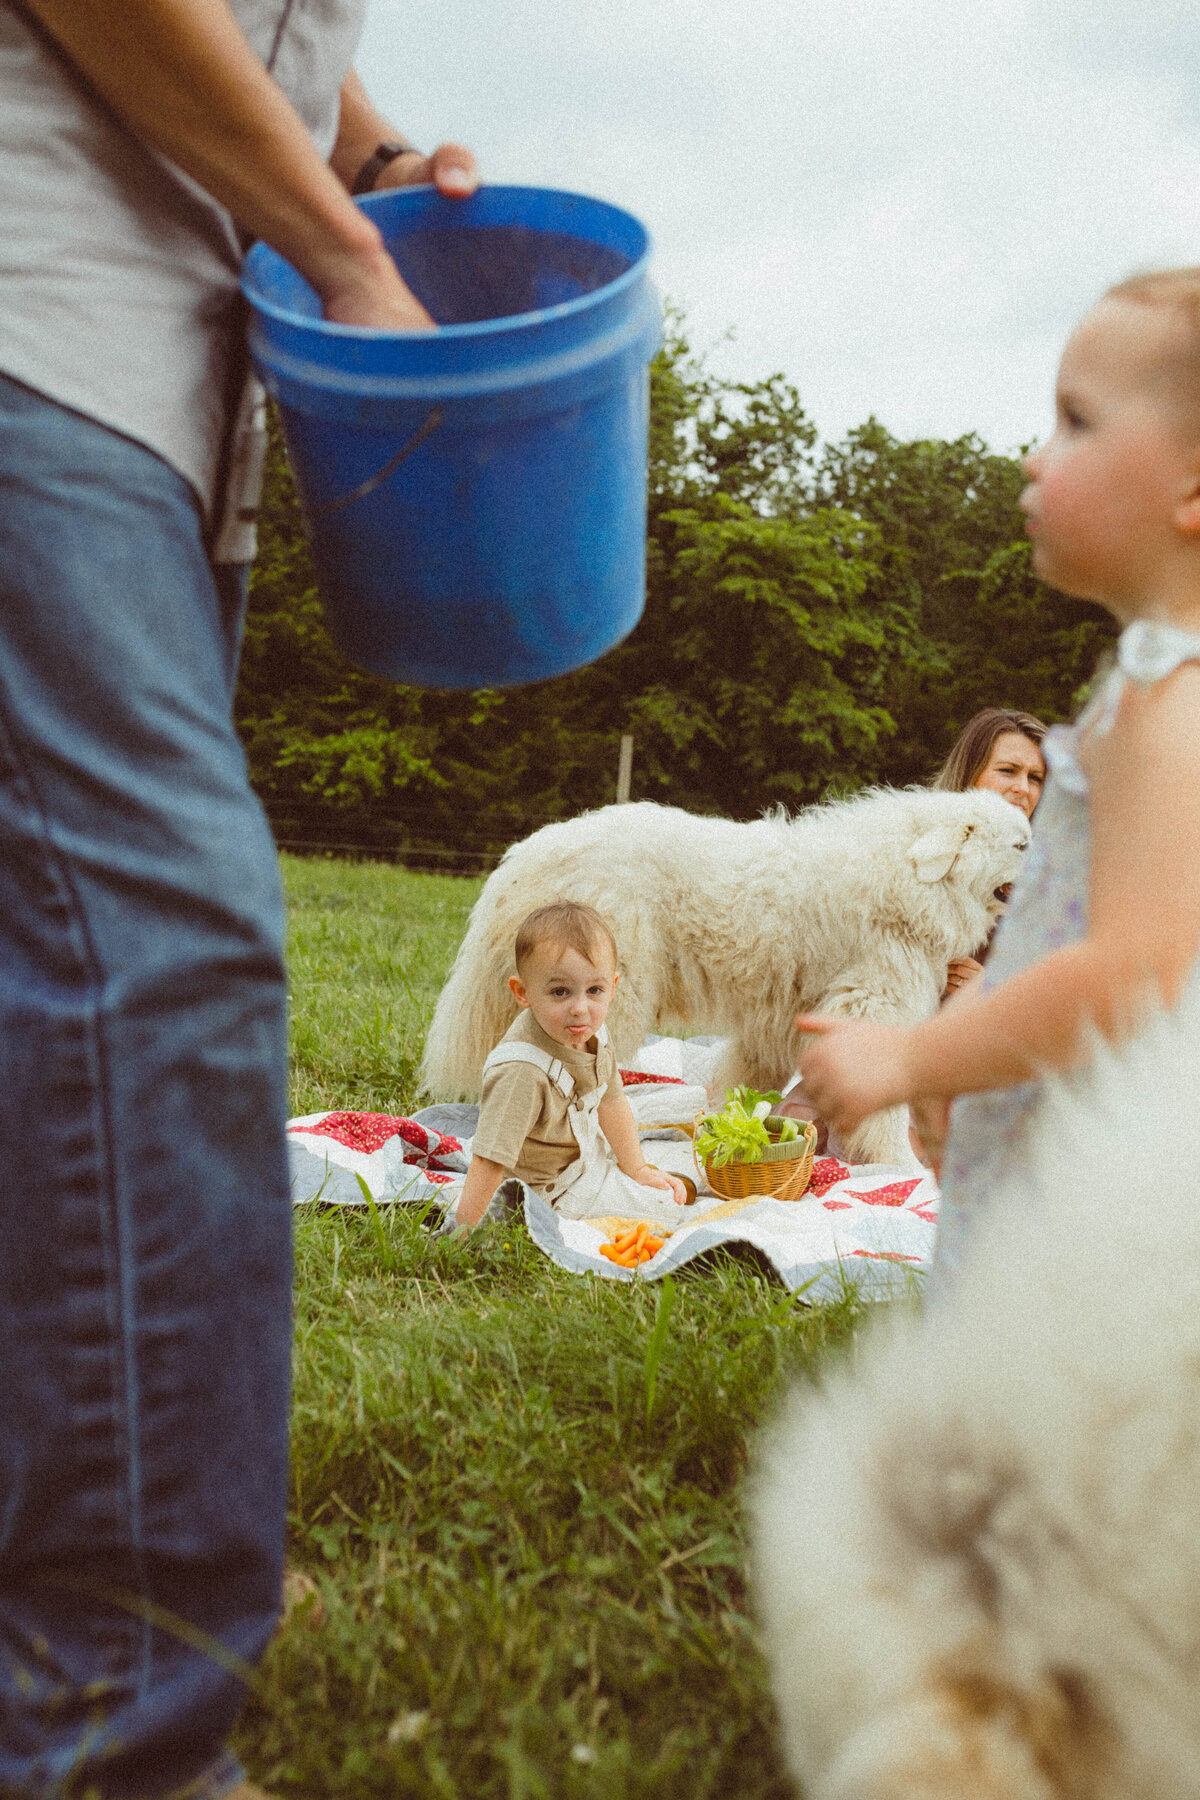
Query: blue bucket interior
x,y
461,277
471,261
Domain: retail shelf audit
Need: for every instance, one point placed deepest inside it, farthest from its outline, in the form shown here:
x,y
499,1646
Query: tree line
x,y
818,617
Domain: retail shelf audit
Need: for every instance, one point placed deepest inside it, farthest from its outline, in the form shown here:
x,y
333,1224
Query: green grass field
x,y
522,1510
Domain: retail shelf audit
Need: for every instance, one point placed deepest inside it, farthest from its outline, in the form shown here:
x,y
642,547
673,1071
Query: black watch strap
x,y
377,162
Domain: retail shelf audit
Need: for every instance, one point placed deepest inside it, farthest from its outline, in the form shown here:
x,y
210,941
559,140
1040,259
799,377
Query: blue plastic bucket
x,y
475,496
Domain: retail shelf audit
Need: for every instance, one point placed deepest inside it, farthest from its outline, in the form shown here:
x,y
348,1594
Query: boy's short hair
x,y
566,925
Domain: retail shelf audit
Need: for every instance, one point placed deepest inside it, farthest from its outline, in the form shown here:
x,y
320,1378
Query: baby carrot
x,y
632,1247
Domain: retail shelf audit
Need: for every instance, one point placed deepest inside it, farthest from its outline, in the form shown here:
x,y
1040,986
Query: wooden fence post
x,y
625,770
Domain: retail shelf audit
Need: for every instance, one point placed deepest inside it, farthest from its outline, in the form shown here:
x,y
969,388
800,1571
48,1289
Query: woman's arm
x,y
1143,936
182,76
961,972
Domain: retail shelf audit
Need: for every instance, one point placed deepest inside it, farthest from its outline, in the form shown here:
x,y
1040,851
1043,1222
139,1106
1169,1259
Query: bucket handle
x,y
381,475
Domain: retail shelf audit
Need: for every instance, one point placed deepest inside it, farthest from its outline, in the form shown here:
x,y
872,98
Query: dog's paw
x,y
938,1750
883,1138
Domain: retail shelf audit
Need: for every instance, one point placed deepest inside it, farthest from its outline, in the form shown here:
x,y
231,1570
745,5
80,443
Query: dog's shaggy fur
x,y
852,908
977,1556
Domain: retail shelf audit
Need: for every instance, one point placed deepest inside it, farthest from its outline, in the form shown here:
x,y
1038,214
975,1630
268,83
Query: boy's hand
x,y
852,1068
649,1176
483,1178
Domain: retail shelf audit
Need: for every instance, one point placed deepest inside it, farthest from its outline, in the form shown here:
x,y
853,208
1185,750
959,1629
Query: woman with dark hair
x,y
1001,750
998,749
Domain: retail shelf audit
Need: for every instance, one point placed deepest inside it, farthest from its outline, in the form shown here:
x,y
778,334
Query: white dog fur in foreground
x,y
977,1553
853,908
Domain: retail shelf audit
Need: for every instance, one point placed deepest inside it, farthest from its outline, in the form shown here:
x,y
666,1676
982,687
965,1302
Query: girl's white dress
x,y
1049,908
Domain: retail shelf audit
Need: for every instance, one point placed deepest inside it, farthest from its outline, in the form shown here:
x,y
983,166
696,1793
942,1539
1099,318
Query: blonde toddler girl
x,y
1106,915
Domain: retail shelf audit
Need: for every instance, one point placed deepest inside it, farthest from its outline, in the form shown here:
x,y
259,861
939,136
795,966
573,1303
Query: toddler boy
x,y
552,1110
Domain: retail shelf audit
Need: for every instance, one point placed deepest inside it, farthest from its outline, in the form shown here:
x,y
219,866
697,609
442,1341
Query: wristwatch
x,y
377,162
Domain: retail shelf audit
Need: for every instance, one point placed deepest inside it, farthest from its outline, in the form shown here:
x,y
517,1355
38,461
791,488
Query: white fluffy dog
x,y
852,908
977,1555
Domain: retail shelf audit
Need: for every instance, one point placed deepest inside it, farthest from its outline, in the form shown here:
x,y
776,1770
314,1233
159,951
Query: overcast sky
x,y
903,205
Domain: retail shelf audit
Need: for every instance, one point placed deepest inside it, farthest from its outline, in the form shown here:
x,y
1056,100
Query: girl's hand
x,y
962,971
931,1123
649,1176
852,1068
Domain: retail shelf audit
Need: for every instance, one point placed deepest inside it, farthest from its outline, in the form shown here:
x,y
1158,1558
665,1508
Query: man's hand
x,y
357,297
451,169
357,300
852,1068
368,290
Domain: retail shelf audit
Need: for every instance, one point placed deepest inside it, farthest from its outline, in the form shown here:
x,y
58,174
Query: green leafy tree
x,y
752,677
816,618
774,658
983,630
325,742
756,674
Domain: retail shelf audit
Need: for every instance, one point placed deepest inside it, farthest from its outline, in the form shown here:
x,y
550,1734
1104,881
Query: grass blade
x,y
385,1249
658,1338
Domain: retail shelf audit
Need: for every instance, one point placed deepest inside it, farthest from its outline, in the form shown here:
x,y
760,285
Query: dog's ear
x,y
935,852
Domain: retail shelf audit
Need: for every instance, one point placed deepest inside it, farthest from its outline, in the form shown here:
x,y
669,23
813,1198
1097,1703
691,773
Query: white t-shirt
x,y
118,275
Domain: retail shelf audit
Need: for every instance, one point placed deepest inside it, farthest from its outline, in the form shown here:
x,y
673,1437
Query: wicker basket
x,y
783,1173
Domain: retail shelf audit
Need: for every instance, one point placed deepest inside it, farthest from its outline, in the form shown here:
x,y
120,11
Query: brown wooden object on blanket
x,y
783,1173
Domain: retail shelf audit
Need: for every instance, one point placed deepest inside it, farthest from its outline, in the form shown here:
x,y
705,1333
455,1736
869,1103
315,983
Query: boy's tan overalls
x,y
593,1186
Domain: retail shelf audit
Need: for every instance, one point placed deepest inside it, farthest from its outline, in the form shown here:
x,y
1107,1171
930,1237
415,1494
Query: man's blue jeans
x,y
144,1214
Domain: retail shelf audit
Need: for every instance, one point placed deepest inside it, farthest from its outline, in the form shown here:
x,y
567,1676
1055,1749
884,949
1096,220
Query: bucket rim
x,y
507,322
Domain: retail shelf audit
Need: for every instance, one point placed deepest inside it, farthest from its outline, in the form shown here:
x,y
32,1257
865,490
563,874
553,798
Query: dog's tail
x,y
473,1011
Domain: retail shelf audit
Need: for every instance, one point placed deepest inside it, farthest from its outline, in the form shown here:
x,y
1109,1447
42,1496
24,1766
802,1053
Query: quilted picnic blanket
x,y
869,1225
